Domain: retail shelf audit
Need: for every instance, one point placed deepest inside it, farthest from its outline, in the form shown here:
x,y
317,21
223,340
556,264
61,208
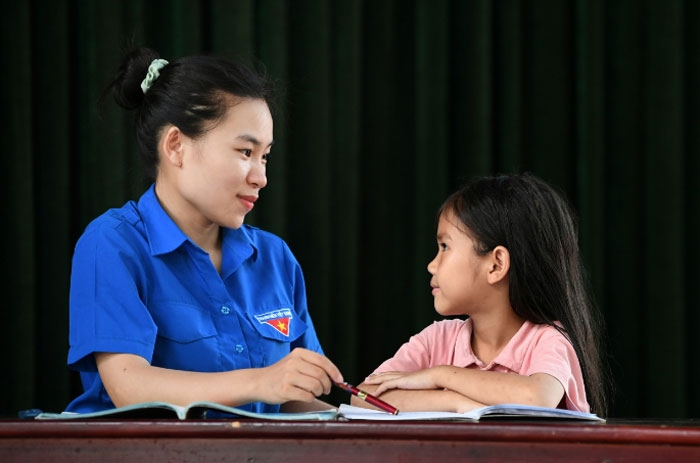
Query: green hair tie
x,y
153,73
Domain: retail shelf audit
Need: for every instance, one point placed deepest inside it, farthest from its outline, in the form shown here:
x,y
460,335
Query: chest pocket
x,y
281,324
182,323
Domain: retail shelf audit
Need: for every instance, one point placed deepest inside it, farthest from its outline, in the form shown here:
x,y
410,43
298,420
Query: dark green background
x,y
389,105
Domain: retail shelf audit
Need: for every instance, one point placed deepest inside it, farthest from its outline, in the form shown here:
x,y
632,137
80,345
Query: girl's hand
x,y
421,379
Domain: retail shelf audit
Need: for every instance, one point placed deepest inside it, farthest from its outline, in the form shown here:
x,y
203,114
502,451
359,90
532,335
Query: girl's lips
x,y
435,290
248,201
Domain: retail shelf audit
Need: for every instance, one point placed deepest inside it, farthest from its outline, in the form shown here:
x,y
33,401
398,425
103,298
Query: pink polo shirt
x,y
533,349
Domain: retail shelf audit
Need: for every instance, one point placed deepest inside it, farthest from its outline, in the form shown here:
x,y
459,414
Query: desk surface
x,y
337,442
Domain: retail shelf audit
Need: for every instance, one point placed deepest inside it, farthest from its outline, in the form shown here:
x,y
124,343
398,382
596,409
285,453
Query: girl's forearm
x,y
421,400
491,387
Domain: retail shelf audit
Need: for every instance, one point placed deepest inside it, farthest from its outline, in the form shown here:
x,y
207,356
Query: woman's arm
x,y
300,376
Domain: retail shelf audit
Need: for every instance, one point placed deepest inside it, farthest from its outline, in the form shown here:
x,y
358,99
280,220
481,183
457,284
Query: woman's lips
x,y
248,201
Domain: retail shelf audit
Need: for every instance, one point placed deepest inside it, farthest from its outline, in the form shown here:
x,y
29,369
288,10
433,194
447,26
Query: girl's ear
x,y
173,146
500,264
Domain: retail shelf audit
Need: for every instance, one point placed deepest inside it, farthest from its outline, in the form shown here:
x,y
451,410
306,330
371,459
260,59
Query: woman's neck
x,y
203,232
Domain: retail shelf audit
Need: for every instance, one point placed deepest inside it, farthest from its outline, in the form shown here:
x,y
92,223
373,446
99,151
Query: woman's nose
x,y
258,176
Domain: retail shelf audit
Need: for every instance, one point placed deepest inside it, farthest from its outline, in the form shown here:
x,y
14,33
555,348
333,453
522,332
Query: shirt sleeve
x,y
554,355
106,312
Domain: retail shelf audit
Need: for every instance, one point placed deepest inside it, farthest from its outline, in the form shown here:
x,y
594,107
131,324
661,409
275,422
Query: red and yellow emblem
x,y
280,320
280,324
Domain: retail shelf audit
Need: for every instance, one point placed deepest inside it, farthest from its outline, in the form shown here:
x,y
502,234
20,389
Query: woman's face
x,y
224,171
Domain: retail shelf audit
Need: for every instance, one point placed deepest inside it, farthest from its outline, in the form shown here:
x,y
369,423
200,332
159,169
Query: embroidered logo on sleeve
x,y
278,319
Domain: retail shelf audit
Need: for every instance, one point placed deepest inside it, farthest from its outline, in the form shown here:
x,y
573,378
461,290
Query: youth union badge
x,y
278,319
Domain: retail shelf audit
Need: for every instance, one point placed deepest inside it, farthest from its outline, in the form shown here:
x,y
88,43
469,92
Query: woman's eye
x,y
442,246
246,153
266,157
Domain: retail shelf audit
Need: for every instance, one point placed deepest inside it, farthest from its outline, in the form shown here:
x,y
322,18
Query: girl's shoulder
x,y
541,332
446,327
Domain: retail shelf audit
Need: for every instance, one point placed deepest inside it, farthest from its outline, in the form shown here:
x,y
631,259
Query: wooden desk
x,y
340,442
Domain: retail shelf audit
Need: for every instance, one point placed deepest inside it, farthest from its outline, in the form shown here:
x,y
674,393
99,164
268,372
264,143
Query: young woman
x,y
173,298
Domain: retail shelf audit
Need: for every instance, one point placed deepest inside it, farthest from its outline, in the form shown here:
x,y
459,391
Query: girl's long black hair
x,y
547,280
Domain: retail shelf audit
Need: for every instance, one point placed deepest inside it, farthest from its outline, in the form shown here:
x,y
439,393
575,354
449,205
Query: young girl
x,y
507,258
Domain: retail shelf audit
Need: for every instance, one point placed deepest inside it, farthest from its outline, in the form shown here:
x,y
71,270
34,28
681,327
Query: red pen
x,y
369,398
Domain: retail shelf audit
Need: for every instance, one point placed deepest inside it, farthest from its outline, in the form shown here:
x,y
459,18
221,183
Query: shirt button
x,y
225,310
239,348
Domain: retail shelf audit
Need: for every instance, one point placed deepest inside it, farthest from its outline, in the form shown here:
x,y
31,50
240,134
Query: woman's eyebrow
x,y
252,139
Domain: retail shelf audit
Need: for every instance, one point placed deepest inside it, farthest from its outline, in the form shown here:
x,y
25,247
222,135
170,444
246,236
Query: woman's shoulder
x,y
258,234
116,234
263,240
113,220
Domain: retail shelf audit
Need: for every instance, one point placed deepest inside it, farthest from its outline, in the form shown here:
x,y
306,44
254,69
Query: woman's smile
x,y
248,201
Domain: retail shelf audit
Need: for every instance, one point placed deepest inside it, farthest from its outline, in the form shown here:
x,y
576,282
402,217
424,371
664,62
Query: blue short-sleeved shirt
x,y
139,285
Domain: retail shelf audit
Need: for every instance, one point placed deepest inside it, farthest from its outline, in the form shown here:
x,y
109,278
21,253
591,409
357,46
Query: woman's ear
x,y
500,264
173,146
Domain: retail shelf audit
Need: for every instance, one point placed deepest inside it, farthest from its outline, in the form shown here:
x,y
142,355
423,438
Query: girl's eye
x,y
442,246
266,157
246,153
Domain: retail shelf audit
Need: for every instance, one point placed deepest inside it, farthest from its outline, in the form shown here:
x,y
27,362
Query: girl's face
x,y
226,168
459,274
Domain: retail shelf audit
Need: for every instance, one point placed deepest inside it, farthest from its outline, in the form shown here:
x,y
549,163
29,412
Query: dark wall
x,y
388,106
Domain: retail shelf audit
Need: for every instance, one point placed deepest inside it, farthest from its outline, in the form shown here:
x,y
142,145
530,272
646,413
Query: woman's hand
x,y
302,376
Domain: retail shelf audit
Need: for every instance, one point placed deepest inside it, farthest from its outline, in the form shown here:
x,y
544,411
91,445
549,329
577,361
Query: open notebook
x,y
501,411
160,410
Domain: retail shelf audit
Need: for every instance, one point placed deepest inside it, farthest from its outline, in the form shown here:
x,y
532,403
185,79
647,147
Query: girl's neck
x,y
492,332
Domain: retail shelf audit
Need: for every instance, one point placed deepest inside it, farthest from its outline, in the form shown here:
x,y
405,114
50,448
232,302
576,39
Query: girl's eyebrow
x,y
443,236
253,140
